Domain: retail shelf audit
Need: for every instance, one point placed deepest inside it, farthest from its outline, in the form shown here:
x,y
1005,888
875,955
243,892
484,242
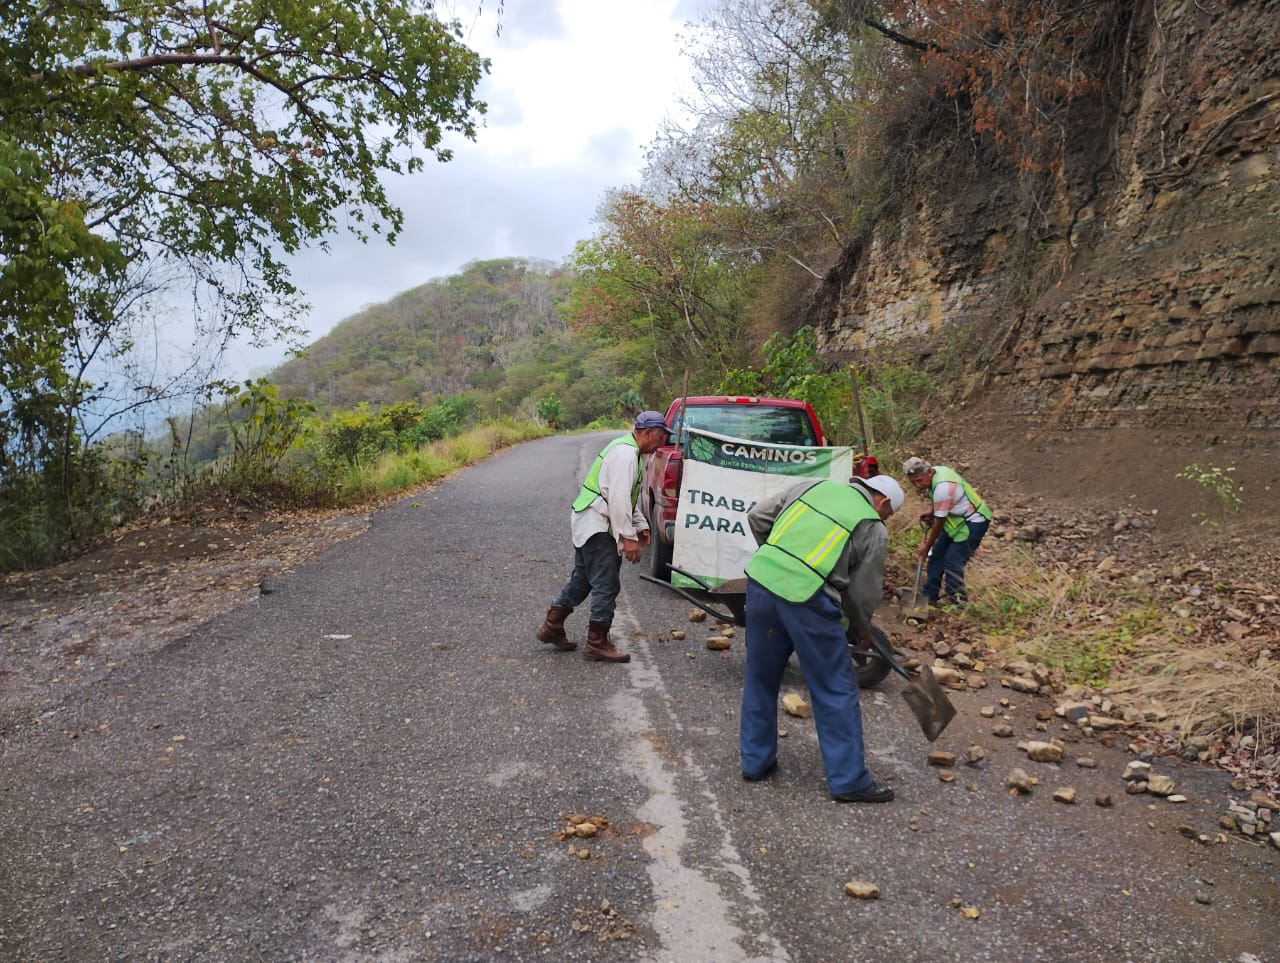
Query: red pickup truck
x,y
783,421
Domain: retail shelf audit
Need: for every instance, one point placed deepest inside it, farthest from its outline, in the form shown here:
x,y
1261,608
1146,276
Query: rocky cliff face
x,y
1141,288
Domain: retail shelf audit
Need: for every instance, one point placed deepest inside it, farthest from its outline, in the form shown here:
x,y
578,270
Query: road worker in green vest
x,y
957,520
820,560
607,526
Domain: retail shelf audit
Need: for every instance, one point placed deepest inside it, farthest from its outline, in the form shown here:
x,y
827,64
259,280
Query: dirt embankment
x,y
1110,504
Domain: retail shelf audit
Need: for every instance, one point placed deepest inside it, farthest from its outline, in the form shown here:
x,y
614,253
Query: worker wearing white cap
x,y
821,558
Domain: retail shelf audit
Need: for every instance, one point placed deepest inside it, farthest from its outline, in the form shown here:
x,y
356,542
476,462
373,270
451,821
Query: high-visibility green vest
x,y
591,484
957,528
806,540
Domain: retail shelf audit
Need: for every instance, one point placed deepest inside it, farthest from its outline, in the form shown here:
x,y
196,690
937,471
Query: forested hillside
x,y
475,329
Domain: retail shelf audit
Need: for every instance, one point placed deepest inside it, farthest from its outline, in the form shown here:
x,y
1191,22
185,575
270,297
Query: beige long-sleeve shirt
x,y
613,510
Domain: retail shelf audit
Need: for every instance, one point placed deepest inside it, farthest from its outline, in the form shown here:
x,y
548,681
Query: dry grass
x,y
1208,689
1125,640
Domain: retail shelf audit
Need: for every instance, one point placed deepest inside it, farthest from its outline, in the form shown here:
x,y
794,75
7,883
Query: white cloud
x,y
576,92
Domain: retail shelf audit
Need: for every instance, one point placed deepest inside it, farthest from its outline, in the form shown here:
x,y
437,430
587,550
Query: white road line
x,y
691,914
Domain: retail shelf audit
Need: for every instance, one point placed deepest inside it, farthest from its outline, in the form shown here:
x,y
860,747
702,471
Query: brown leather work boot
x,y
552,630
599,647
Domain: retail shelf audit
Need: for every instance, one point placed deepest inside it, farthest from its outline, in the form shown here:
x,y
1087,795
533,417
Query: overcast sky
x,y
576,92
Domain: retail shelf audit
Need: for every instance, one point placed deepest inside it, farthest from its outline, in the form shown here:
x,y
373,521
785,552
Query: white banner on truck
x,y
722,479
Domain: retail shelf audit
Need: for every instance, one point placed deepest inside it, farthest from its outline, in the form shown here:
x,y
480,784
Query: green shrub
x,y
1227,495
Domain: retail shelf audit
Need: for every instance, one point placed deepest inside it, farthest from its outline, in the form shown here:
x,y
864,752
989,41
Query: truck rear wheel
x,y
870,667
659,557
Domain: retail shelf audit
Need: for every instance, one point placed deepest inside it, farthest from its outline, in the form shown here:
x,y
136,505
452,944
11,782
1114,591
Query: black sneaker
x,y
764,773
877,792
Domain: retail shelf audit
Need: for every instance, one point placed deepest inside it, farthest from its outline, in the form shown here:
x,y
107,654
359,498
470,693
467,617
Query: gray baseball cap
x,y
650,419
913,466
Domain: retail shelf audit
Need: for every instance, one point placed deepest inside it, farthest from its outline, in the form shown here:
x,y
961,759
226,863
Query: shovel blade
x,y
918,605
929,704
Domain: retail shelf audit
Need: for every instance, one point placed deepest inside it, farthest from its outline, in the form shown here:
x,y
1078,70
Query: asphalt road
x,y
374,762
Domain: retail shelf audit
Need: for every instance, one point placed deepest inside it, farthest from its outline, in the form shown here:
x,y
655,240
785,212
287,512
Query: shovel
x,y
924,697
916,605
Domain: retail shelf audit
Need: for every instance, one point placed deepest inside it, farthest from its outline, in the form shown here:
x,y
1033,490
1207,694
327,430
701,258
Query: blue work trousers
x,y
597,571
947,560
812,629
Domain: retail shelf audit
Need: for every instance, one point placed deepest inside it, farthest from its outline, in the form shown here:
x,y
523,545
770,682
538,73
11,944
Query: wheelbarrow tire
x,y
871,669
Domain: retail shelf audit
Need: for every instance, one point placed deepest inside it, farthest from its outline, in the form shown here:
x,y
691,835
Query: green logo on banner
x,y
756,456
702,449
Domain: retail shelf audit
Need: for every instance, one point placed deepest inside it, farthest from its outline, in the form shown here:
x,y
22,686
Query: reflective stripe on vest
x,y
806,540
957,528
591,484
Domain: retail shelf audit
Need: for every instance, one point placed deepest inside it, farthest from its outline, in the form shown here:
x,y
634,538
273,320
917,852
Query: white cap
x,y
888,487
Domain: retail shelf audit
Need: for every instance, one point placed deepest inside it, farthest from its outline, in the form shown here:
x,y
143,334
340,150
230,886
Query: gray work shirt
x,y
856,583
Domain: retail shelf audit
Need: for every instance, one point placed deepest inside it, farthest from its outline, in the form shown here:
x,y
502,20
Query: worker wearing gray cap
x,y
958,519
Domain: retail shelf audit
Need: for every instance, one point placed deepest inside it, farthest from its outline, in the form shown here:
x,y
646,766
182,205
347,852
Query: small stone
x,y
1064,795
859,889
1136,787
1087,762
1159,785
974,755
794,705
697,615
970,912
677,635
988,712
945,675
1020,781
1020,684
1177,797
718,643
1104,800
975,681
1136,770
1044,751
1003,731
940,758
1204,898
947,775
1264,801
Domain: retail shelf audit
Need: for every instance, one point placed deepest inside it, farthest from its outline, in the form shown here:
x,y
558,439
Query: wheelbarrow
x,y
928,703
